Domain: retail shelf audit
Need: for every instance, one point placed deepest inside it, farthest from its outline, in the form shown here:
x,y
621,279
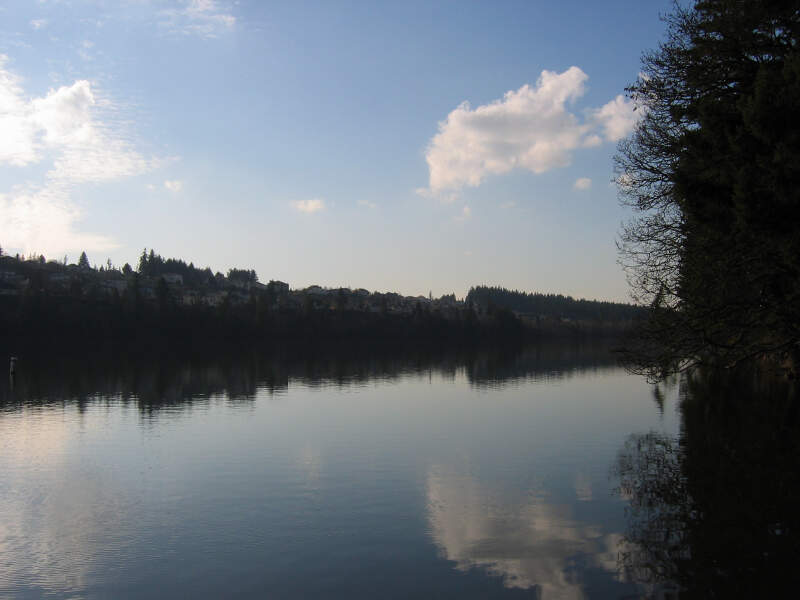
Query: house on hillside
x,y
173,279
214,298
8,289
59,281
279,287
190,298
110,286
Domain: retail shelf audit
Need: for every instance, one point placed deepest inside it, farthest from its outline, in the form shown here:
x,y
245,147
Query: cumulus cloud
x,y
582,184
367,204
174,185
63,128
309,206
617,118
532,128
204,18
37,24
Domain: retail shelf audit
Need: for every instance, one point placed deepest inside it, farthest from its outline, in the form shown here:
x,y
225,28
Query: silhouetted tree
x,y
242,275
713,171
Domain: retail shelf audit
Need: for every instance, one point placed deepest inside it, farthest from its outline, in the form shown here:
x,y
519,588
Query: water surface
x,y
376,474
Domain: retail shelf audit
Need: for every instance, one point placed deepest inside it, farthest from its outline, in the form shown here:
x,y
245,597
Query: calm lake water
x,y
376,475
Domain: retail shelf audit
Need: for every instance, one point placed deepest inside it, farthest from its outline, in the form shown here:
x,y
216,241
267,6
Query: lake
x,y
356,473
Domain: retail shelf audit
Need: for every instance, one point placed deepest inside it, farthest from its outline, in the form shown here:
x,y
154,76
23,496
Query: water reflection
x,y
714,513
352,473
530,542
163,381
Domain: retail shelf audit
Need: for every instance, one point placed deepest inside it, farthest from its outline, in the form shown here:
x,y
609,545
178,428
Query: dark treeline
x,y
169,299
554,306
126,318
153,265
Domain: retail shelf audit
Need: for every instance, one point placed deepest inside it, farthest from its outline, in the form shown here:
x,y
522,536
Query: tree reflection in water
x,y
714,513
165,379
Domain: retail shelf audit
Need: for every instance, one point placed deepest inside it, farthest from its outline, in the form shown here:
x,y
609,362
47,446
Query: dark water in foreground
x,y
546,473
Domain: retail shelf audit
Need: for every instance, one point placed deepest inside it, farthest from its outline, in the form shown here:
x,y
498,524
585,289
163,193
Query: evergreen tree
x,y
142,266
83,261
712,170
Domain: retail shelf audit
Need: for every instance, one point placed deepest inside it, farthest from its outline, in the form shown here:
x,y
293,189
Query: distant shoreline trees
x,y
556,306
168,299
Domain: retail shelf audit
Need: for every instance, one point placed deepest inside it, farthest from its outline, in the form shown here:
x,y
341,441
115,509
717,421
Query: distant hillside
x,y
553,306
171,300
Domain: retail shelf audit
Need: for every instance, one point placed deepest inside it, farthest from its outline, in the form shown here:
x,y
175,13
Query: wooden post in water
x,y
12,368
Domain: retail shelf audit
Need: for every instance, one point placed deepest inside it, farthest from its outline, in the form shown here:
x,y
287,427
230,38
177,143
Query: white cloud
x,y
43,220
205,18
582,184
37,24
617,118
309,206
66,129
531,128
367,204
174,185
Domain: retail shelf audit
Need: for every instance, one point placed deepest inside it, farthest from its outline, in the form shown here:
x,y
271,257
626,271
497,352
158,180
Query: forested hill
x,y
553,305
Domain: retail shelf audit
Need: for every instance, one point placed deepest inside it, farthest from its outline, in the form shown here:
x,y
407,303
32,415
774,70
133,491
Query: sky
x,y
417,147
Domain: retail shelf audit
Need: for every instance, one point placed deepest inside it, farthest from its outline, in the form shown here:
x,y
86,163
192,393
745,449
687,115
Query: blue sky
x,y
405,146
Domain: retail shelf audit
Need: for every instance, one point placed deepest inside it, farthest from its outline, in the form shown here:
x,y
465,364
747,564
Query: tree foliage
x,y
243,275
551,305
154,265
713,172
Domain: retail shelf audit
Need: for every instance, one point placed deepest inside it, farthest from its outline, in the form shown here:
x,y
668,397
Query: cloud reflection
x,y
52,527
531,544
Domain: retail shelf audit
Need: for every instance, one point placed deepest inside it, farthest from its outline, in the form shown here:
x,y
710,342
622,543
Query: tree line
x,y
554,306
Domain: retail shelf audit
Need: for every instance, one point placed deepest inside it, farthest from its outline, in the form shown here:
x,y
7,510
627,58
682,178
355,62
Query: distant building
x,y
120,285
280,287
173,279
214,298
8,289
190,298
9,276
